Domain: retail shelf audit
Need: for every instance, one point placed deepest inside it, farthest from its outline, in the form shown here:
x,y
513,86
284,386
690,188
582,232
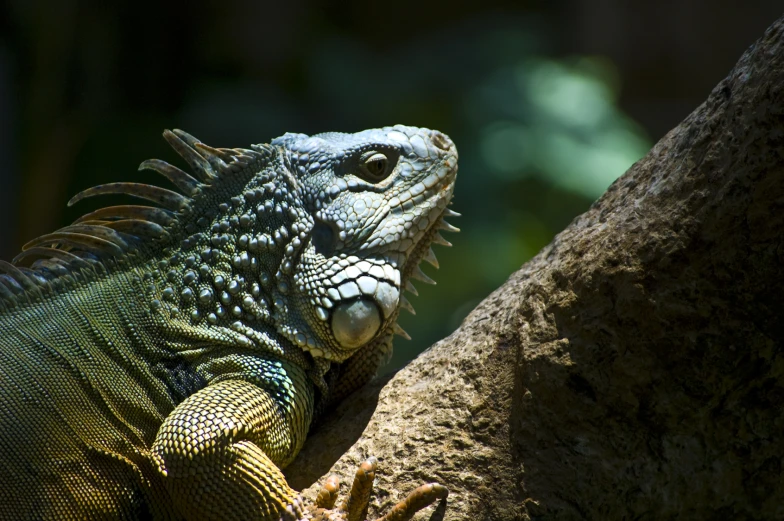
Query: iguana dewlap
x,y
165,361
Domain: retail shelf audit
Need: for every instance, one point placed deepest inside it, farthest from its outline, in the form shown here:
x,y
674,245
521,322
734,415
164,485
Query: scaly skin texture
x,y
166,361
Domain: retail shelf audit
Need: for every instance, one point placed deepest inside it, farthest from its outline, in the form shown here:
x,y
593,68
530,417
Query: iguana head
x,y
377,199
310,239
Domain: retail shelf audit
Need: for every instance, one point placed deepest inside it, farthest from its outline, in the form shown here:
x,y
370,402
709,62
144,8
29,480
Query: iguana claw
x,y
356,505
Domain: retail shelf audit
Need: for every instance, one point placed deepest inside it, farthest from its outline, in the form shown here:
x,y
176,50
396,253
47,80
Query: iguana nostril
x,y
440,140
355,323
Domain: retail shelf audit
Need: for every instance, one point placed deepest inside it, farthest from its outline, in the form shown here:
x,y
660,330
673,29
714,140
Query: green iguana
x,y
166,361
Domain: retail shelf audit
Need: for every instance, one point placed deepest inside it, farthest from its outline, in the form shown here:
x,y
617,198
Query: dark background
x,y
548,101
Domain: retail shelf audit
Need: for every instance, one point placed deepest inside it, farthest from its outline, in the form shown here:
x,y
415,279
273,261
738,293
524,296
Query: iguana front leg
x,y
219,453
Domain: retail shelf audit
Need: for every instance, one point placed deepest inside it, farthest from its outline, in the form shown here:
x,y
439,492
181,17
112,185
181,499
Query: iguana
x,y
165,361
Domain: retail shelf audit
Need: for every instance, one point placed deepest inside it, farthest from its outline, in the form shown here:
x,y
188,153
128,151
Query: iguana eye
x,y
374,166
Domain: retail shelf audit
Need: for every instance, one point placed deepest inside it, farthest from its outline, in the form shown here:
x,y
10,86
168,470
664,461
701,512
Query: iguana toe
x,y
328,494
357,502
416,501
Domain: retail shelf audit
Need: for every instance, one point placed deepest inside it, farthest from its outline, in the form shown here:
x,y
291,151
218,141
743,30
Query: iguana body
x,y
165,363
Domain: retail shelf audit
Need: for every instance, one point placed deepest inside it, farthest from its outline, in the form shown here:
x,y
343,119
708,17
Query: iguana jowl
x,y
165,361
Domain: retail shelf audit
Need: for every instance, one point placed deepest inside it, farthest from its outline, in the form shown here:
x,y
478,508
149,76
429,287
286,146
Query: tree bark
x,y
633,369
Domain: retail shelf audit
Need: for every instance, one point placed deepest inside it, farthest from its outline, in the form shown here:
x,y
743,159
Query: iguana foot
x,y
356,505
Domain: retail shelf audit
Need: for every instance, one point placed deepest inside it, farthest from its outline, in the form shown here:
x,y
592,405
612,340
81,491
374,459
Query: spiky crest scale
x,y
97,241
183,143
184,182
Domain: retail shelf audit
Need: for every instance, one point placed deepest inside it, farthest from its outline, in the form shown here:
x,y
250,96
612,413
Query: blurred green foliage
x,y
539,138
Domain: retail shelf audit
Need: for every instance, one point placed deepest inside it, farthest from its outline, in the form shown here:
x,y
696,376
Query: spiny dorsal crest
x,y
99,239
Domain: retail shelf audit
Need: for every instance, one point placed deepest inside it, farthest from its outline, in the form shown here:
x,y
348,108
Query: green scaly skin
x,y
166,361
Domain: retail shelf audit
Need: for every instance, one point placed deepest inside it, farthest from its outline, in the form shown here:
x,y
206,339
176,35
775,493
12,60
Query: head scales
x,y
377,199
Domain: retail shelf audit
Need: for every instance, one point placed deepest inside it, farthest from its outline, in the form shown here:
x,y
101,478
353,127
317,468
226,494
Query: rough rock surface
x,y
635,368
